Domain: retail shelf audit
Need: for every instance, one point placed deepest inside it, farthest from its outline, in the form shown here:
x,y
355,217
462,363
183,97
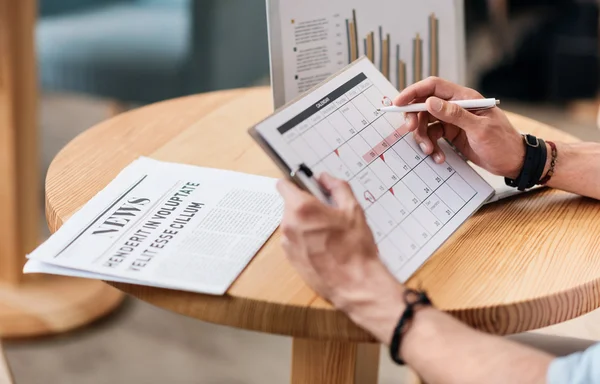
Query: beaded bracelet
x,y
553,160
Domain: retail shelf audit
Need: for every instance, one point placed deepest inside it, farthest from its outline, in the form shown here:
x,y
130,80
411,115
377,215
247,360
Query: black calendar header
x,y
339,92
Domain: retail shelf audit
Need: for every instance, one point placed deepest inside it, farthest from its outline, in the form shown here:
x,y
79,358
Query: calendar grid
x,y
349,100
406,260
382,174
337,109
321,160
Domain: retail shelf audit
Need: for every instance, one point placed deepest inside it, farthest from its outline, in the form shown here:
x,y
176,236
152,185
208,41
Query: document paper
x,y
411,203
167,225
407,40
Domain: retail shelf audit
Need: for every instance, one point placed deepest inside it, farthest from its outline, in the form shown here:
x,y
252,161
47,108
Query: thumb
x,y
289,191
452,113
339,189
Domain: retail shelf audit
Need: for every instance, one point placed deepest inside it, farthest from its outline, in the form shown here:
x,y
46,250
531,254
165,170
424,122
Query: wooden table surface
x,y
516,265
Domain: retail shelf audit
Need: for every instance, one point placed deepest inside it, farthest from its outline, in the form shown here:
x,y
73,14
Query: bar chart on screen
x,y
383,42
407,40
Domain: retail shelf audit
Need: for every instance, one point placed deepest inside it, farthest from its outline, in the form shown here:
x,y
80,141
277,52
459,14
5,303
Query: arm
x,y
488,139
443,350
577,169
333,250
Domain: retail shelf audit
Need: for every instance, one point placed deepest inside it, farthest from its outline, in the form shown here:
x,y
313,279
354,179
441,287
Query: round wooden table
x,y
515,266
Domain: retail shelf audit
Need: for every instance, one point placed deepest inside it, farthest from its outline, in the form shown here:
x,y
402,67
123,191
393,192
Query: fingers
x,y
298,203
434,86
290,192
414,124
427,136
453,114
435,133
302,210
302,204
339,189
411,122
421,136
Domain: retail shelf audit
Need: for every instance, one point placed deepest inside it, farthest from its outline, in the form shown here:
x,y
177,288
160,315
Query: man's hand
x,y
334,252
485,137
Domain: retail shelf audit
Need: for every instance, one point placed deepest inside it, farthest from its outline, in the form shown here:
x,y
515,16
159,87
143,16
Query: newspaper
x,y
166,225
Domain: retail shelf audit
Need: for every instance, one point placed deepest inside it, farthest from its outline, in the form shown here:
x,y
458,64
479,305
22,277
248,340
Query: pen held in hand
x,y
306,179
472,105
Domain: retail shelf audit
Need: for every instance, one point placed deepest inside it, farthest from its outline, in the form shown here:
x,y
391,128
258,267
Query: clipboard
x,y
412,204
301,175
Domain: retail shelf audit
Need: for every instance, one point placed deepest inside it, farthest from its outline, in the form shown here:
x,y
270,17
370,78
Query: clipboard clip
x,y
302,168
303,176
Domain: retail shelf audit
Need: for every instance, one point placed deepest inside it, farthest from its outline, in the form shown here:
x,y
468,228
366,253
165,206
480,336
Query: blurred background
x,y
540,57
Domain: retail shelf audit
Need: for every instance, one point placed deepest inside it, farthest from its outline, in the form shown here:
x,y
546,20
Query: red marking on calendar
x,y
370,156
392,139
381,157
381,147
392,191
337,152
369,197
376,151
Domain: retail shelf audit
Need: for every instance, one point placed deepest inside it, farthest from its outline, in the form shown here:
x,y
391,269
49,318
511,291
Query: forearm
x,y
443,350
577,169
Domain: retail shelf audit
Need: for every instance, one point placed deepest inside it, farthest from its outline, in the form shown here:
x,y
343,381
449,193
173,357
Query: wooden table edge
x,y
249,310
310,314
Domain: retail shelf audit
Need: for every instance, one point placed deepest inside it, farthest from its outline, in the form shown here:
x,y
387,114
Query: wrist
x,y
518,161
565,154
534,173
425,329
548,160
379,314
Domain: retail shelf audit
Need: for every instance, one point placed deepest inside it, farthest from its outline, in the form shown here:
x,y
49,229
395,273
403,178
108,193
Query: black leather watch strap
x,y
533,165
531,145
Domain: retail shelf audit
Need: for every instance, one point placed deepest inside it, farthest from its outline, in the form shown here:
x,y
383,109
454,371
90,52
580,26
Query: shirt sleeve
x,y
578,368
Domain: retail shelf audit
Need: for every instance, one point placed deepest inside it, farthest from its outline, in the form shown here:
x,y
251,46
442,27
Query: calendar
x,y
412,204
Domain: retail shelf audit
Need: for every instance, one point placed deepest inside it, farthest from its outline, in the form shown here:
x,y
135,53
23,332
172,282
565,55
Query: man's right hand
x,y
485,137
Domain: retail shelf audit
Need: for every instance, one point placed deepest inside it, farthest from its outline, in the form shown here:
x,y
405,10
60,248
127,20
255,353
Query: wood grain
x,y
26,115
515,266
51,305
9,243
19,191
334,362
32,306
5,374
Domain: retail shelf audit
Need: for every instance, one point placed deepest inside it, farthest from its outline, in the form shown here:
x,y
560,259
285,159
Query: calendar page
x,y
411,203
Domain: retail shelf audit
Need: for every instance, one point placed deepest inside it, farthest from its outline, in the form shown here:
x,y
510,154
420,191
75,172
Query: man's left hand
x,y
333,250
